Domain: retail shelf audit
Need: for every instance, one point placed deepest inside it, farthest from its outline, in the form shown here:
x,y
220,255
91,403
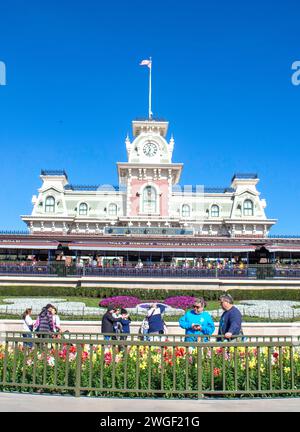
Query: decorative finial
x,y
127,140
172,142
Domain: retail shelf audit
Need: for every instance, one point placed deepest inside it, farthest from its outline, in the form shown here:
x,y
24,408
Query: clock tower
x,y
149,174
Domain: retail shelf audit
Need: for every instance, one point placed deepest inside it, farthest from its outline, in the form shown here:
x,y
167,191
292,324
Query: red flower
x,y
275,355
179,351
217,372
108,358
84,355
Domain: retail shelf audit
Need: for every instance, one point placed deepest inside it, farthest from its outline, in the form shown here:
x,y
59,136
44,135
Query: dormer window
x,y
215,211
248,208
186,211
83,209
112,209
50,204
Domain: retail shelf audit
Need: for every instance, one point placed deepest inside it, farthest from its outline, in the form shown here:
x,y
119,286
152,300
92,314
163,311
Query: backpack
x,y
36,325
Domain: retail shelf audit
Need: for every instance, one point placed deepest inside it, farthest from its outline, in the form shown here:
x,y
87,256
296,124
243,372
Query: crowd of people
x,y
46,322
197,323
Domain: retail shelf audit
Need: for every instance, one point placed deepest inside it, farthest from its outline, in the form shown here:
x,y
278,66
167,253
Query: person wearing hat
x,y
231,319
197,322
108,321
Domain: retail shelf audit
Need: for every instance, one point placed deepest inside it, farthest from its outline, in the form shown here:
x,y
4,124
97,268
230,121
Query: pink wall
x,y
136,187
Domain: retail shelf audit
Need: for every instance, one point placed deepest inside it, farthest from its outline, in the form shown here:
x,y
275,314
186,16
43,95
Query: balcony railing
x,y
60,269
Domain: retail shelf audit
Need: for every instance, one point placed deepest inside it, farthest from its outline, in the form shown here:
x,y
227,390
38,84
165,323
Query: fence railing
x,y
60,269
93,366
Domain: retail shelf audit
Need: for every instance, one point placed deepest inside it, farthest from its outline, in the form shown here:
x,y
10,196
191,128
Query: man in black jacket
x,y
108,321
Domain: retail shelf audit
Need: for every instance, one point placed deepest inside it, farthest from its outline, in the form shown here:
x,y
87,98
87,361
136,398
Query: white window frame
x,y
80,209
110,206
50,206
246,210
212,209
157,202
183,210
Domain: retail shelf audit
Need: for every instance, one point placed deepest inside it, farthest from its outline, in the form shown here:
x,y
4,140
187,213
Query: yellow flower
x,y
156,358
252,363
287,370
143,365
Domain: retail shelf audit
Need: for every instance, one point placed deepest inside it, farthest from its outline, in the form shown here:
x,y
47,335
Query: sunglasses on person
x,y
197,306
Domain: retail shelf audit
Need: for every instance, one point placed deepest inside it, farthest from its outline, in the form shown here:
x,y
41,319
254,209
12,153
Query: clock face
x,y
150,149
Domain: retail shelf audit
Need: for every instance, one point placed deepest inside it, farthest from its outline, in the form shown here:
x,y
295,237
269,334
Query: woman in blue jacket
x,y
197,322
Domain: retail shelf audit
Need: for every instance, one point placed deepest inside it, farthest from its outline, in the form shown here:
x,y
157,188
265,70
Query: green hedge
x,y
147,294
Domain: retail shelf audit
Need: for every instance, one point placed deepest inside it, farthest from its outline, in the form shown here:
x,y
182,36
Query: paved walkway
x,y
15,402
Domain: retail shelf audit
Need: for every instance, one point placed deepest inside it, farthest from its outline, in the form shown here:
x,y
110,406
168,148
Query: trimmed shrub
x,y
144,294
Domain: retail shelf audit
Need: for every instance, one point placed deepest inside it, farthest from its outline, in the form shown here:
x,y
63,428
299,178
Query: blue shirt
x,y
125,325
156,322
231,322
204,319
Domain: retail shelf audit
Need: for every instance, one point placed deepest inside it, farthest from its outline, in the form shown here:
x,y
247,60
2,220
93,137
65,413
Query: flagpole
x,y
150,89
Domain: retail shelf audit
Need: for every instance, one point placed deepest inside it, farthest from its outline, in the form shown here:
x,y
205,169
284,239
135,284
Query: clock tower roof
x,y
154,125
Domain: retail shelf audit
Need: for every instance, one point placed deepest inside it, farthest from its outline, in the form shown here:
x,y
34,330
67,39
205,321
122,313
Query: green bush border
x,y
148,294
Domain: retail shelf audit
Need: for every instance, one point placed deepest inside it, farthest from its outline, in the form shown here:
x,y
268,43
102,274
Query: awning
x,y
22,244
278,248
152,248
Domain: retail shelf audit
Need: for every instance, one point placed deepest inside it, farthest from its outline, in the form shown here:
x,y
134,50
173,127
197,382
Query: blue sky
x,y
221,77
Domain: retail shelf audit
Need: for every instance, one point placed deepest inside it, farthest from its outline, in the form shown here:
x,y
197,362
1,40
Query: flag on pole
x,y
146,63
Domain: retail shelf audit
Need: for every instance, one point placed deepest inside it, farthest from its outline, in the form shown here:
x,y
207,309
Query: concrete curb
x,y
16,402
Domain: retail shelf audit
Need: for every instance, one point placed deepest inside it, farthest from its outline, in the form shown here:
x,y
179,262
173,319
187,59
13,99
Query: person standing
x,y
44,323
197,322
155,319
56,320
27,326
231,320
125,322
108,321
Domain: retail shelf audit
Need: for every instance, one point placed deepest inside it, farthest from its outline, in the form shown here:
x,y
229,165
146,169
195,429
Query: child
x,y
125,321
117,326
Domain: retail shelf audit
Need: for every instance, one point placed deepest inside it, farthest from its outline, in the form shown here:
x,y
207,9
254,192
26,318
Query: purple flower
x,y
120,301
180,302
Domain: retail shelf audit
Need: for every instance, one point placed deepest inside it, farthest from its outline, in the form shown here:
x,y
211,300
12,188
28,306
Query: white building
x,y
149,199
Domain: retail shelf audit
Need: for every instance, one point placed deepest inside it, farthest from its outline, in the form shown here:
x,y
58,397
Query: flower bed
x,y
150,370
180,302
121,301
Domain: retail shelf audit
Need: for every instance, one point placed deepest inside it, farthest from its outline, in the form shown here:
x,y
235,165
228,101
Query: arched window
x,y
149,200
186,211
83,209
248,208
112,209
50,204
215,211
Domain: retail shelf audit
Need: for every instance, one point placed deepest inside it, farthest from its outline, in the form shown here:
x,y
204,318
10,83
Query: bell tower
x,y
149,173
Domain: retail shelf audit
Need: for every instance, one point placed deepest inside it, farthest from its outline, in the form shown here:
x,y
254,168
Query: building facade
x,y
149,199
